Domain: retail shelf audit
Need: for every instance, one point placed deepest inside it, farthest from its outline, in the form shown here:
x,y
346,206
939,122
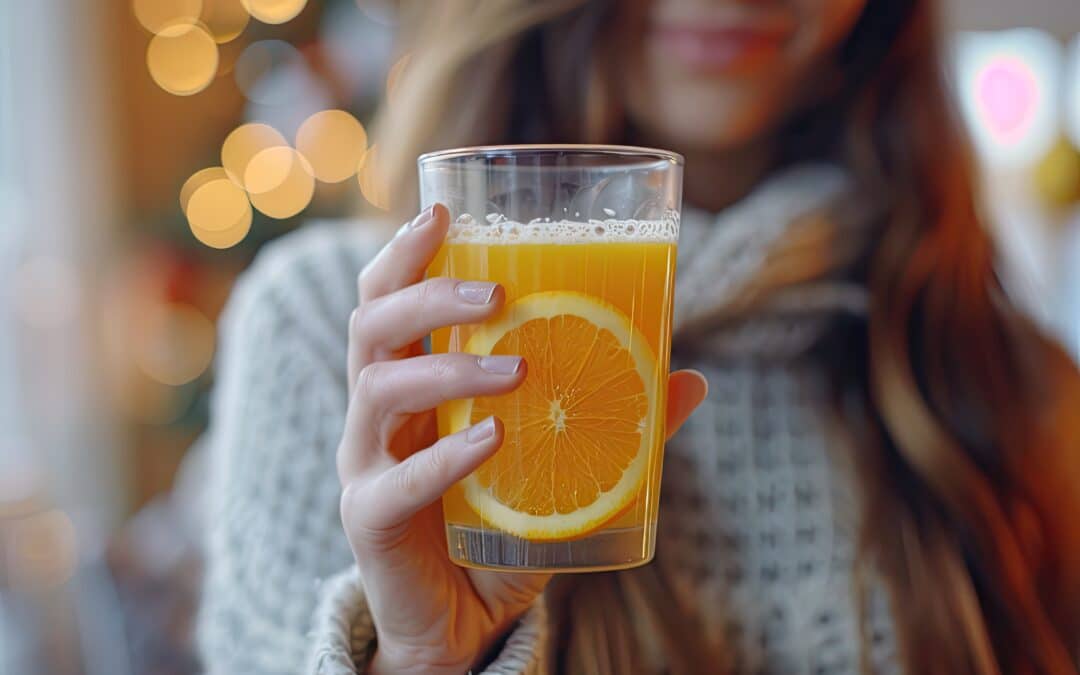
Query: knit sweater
x,y
758,511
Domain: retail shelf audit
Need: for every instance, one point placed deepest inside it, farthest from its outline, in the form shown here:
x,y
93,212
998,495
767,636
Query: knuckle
x,y
341,462
345,461
425,293
358,510
360,337
445,286
443,368
350,503
437,459
368,380
356,322
433,293
407,478
363,280
414,476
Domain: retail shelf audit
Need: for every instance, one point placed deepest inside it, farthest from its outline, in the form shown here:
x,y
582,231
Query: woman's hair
x,y
966,418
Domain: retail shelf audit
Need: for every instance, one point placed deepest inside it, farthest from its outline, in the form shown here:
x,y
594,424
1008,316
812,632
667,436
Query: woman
x,y
881,479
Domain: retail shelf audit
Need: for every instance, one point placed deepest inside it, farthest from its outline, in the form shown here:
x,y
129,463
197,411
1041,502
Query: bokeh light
x,y
174,344
372,178
243,144
197,180
280,182
218,211
260,59
132,291
157,15
217,206
43,550
225,19
333,141
182,59
274,11
228,237
1007,95
1009,92
1057,176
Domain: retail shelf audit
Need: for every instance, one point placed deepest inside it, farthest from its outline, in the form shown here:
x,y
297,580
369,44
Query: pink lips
x,y
720,48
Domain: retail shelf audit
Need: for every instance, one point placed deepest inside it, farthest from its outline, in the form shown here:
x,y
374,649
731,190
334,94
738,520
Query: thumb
x,y
686,390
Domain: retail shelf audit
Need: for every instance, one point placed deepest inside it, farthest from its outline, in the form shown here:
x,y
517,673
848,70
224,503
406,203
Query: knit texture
x,y
274,533
758,511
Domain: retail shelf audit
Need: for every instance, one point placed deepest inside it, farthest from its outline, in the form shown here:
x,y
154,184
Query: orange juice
x,y
575,484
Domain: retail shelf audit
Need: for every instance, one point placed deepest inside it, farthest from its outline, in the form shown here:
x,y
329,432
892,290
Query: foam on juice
x,y
494,229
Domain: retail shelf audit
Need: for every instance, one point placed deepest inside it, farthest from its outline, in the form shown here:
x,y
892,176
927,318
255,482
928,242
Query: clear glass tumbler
x,y
583,239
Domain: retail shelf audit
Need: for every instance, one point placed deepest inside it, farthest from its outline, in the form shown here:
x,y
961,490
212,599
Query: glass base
x,y
610,549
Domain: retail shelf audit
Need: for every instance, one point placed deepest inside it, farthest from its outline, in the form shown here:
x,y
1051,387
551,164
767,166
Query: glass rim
x,y
654,154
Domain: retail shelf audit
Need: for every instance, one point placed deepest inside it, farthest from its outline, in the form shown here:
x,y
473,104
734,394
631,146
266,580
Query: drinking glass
x,y
583,239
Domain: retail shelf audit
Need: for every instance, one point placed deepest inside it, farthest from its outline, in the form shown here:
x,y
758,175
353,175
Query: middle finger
x,y
390,323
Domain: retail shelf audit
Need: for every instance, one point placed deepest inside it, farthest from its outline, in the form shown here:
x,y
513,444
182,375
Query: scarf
x,y
764,278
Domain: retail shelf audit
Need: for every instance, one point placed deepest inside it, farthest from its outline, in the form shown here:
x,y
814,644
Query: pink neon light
x,y
1007,95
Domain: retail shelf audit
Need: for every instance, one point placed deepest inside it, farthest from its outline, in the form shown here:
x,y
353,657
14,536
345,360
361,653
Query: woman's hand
x,y
431,615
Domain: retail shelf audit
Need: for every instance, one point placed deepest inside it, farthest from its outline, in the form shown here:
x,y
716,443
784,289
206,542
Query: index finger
x,y
403,261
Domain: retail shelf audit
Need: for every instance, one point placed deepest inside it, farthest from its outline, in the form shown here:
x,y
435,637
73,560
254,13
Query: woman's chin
x,y
716,121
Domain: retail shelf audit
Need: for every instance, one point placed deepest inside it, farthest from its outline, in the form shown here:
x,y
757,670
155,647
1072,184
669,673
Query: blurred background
x,y
148,148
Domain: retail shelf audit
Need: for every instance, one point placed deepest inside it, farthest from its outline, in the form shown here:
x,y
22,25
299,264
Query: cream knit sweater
x,y
758,511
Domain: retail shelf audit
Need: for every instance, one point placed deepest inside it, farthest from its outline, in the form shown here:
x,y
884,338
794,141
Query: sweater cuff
x,y
343,639
525,648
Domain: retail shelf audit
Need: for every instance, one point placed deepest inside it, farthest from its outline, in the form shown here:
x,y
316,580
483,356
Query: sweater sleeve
x,y
281,593
272,523
344,635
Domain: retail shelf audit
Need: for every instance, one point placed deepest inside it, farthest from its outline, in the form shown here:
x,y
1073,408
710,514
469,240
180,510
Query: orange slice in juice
x,y
577,430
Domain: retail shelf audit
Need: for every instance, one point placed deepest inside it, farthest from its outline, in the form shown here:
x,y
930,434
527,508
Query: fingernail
x,y
481,431
500,365
425,217
476,292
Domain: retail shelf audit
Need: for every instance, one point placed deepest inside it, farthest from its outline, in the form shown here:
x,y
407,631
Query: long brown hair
x,y
966,417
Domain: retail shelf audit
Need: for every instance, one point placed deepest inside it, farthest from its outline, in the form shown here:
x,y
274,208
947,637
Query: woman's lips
x,y
720,49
